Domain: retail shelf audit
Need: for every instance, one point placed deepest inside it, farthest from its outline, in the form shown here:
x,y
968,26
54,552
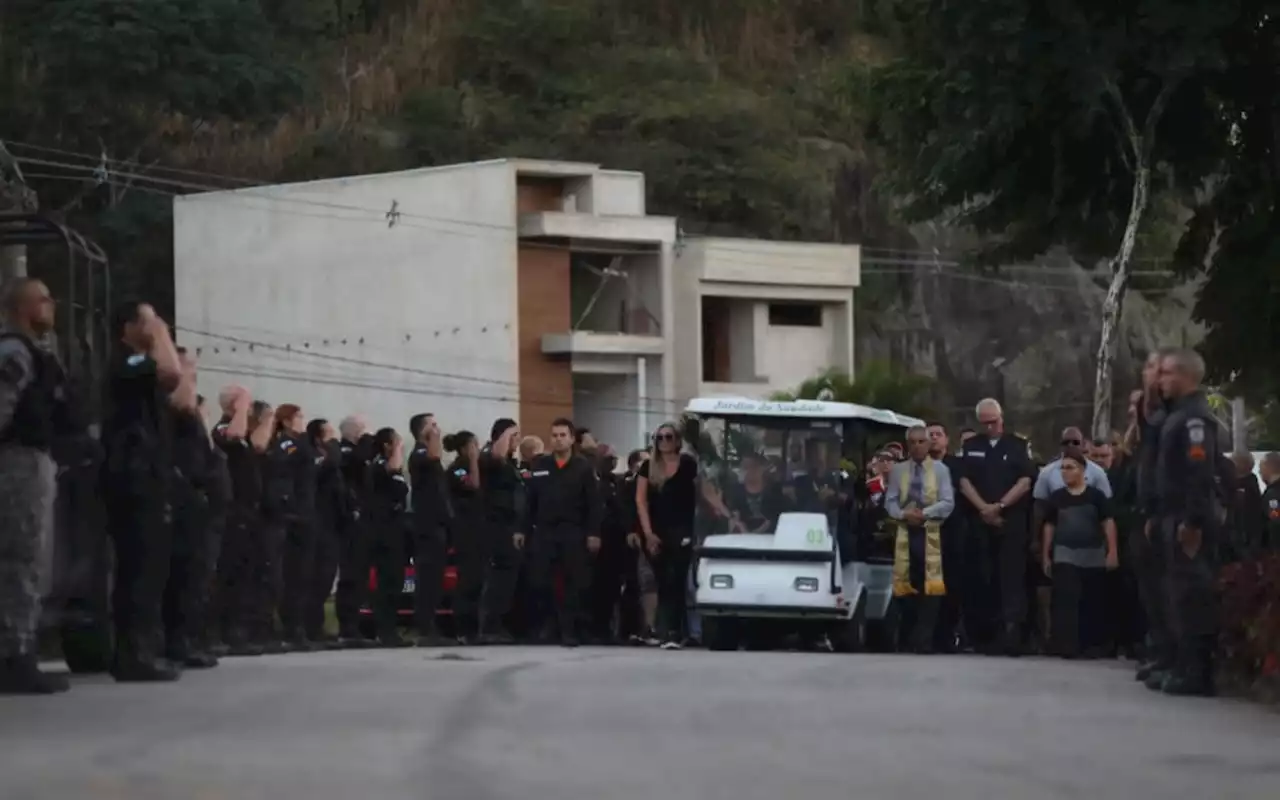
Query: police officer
x,y
353,562
995,478
136,436
32,416
330,516
563,526
1188,504
388,502
192,563
291,506
615,560
243,435
429,495
1150,411
503,508
467,532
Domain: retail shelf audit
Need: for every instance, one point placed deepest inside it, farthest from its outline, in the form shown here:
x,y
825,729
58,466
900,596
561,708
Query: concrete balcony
x,y
586,228
595,343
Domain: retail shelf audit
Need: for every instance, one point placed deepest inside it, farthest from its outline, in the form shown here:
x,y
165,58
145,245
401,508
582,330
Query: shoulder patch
x,y
135,359
286,444
460,472
398,477
421,451
1195,430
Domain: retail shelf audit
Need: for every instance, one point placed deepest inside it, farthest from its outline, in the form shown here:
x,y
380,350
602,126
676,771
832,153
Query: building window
x,y
802,315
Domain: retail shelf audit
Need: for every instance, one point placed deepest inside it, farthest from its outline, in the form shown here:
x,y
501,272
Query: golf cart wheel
x,y
884,633
86,647
720,633
850,636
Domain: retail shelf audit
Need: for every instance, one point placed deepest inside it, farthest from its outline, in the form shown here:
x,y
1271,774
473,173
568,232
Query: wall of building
x,y
382,294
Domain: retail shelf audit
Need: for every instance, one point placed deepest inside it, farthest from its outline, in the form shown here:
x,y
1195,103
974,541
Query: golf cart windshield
x,y
758,460
754,469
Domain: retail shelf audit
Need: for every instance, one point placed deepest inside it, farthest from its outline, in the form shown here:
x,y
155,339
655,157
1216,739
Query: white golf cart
x,y
786,545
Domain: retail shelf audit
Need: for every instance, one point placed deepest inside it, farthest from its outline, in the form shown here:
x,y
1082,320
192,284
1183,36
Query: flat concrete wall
x,y
342,309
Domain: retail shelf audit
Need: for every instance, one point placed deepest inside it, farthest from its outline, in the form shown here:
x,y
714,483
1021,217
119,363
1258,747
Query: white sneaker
x,y
671,645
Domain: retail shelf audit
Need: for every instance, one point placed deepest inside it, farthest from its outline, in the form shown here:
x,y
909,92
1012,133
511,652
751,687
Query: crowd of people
x,y
234,540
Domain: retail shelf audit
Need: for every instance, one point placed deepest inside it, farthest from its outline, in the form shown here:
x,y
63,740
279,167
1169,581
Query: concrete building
x,y
531,289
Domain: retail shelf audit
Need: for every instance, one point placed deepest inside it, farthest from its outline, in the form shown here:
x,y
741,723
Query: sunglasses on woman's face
x,y
665,437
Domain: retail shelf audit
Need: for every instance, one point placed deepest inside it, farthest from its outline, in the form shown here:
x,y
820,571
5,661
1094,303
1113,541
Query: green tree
x,y
1235,231
877,384
1048,124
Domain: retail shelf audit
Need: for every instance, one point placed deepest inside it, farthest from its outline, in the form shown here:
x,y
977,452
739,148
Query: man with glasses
x,y
996,475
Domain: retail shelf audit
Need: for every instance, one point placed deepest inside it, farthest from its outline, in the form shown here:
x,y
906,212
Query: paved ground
x,y
550,724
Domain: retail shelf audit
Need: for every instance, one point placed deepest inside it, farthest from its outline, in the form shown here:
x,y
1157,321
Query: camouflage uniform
x,y
28,487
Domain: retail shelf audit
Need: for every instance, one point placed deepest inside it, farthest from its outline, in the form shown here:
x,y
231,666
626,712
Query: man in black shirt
x,y
995,477
136,435
563,524
429,498
1188,503
192,562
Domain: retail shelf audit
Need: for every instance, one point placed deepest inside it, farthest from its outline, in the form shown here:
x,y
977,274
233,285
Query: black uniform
x,y
1146,553
997,556
504,506
614,559
291,506
136,436
234,608
472,544
388,502
430,536
563,510
331,518
1188,502
196,487
353,566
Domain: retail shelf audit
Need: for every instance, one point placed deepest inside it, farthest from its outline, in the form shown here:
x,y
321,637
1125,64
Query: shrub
x,y
1249,647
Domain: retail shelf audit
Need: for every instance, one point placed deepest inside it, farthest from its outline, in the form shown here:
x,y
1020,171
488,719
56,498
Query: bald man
x,y
995,477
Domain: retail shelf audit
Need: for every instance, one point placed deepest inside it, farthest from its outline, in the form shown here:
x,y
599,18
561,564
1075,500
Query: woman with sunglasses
x,y
666,492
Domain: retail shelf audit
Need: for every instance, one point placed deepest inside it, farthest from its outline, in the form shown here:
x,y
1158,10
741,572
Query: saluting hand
x,y
517,540
593,544
633,541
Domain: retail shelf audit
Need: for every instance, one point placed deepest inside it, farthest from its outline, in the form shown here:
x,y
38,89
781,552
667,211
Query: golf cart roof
x,y
802,409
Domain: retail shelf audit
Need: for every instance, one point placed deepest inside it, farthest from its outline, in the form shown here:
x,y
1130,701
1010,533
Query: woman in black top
x,y
389,493
1079,549
666,493
330,520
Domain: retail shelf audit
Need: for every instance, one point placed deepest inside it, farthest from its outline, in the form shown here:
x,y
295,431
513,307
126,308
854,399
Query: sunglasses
x,y
664,437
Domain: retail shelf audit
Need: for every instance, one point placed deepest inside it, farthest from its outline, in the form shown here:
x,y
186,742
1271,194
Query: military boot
x,y
22,675
1193,677
138,662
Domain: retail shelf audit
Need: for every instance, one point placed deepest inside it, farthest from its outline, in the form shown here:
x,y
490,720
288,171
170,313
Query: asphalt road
x,y
600,724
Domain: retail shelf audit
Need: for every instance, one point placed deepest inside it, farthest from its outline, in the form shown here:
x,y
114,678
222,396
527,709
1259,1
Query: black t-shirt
x,y
1078,518
672,505
994,467
136,430
426,476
